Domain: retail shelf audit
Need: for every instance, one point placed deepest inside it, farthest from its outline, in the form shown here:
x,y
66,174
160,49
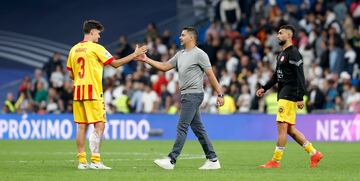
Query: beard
x,y
282,42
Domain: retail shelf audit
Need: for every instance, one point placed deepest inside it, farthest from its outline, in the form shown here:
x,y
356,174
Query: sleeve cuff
x,y
265,89
109,61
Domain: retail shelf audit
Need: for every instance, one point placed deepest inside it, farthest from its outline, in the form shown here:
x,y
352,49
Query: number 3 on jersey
x,y
81,62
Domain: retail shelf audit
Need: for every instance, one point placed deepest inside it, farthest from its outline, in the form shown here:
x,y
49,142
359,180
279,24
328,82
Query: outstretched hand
x,y
141,57
140,50
260,92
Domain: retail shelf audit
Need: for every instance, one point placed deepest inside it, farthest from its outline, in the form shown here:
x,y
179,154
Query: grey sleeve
x,y
204,61
173,60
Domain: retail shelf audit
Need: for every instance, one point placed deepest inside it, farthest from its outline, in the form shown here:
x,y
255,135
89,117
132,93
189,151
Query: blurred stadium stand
x,y
242,52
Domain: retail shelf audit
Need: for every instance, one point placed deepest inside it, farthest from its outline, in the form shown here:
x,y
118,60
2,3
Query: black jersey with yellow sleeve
x,y
289,75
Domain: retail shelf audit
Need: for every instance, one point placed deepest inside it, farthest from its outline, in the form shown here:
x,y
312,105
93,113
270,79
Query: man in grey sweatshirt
x,y
191,63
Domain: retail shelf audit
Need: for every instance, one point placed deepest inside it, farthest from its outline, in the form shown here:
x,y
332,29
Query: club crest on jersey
x,y
281,109
282,58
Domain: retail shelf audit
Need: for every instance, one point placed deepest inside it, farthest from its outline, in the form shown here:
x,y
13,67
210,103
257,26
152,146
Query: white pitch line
x,y
106,160
74,153
104,153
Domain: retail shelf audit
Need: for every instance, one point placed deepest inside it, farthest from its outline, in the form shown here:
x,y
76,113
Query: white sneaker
x,y
83,166
209,165
165,163
99,166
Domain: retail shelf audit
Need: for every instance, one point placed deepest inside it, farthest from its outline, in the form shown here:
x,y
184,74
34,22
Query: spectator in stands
x,y
324,56
57,78
165,99
166,38
211,104
137,97
53,105
9,104
151,32
339,104
247,53
40,108
38,77
271,102
308,57
161,48
230,12
225,78
174,108
66,97
124,49
160,81
348,26
25,85
350,58
172,83
316,98
221,60
150,100
340,10
213,31
51,64
26,103
122,103
353,101
244,100
330,93
41,94
229,106
336,57
355,11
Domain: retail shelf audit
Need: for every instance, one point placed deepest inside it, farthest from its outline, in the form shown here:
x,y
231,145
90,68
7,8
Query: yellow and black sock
x,y
309,148
82,157
278,153
95,158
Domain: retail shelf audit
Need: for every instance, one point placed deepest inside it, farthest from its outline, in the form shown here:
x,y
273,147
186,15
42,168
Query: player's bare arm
x,y
163,66
137,52
216,86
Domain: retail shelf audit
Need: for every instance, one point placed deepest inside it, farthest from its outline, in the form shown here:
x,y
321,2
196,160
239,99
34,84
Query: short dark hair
x,y
192,31
92,24
289,27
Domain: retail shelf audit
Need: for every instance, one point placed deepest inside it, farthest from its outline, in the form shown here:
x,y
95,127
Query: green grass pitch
x,y
133,160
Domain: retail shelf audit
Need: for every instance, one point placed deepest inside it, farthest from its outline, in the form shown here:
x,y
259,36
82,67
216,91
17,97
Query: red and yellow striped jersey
x,y
86,61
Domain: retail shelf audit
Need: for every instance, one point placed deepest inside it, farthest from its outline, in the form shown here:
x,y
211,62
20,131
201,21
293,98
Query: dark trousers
x,y
190,116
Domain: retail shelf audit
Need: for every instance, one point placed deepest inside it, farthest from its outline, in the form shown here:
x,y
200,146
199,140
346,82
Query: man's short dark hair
x,y
192,31
92,24
289,27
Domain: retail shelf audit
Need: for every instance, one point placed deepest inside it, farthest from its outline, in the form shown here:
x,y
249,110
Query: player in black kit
x,y
289,75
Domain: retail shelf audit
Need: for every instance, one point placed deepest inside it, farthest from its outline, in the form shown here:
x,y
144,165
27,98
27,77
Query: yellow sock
x,y
82,157
278,153
309,148
95,158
